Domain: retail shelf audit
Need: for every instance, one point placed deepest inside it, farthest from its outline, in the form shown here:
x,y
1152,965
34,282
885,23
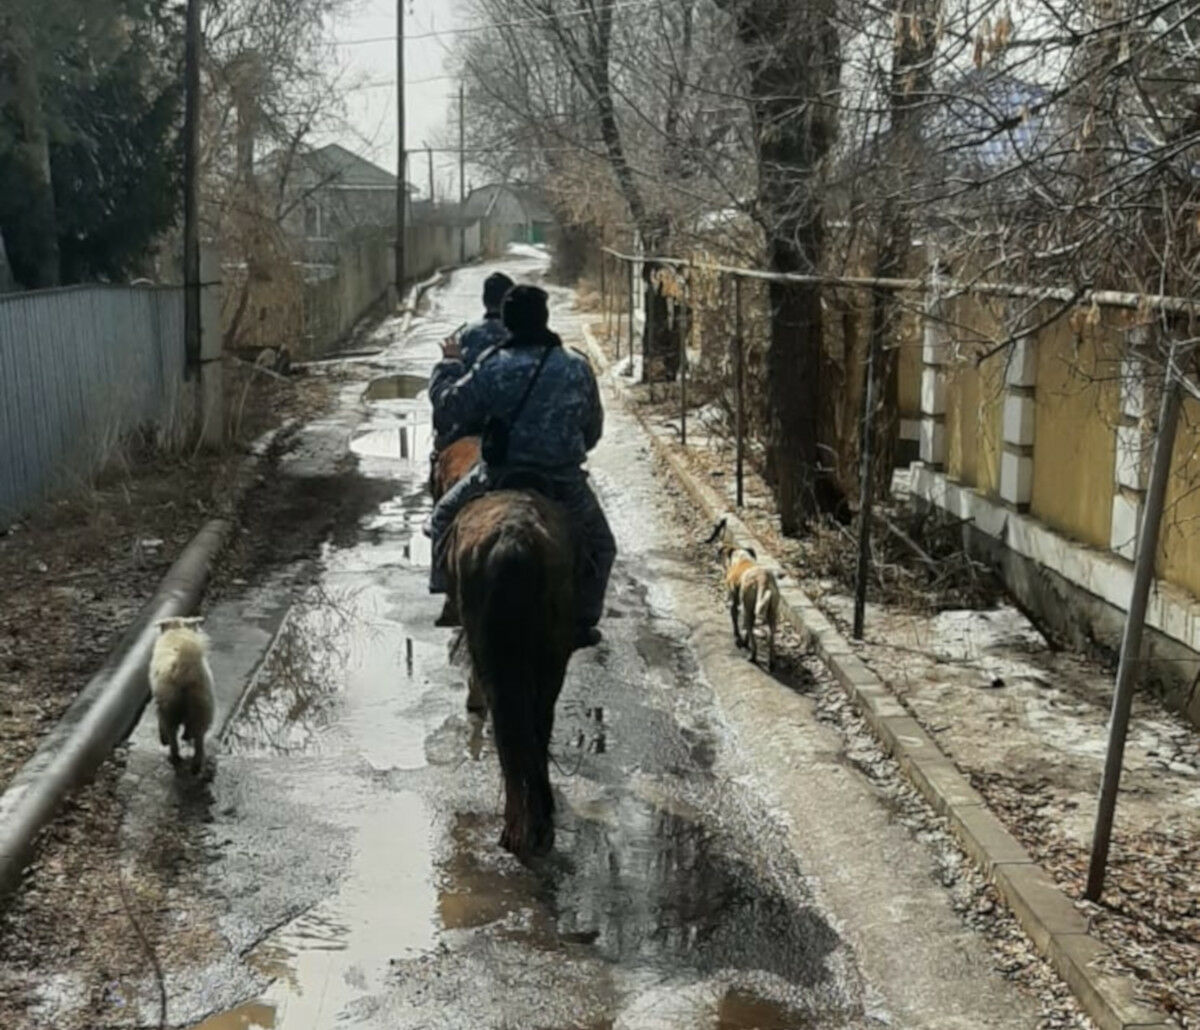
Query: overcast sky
x,y
372,106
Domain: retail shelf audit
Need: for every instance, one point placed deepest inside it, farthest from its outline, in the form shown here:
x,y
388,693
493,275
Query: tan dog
x,y
182,684
750,587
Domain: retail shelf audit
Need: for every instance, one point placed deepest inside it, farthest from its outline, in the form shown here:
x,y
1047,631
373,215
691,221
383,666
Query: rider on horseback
x,y
548,436
473,341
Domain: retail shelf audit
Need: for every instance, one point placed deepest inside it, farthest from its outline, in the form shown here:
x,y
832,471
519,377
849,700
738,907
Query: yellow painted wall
x,y
974,400
1074,440
962,424
1179,542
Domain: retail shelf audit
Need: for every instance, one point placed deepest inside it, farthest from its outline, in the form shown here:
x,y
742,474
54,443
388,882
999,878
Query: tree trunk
x,y
35,247
792,51
912,54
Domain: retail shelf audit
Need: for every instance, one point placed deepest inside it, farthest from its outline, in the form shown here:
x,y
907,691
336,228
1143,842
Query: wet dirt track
x,y
341,867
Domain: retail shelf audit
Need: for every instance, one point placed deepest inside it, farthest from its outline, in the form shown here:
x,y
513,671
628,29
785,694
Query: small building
x,y
334,194
514,213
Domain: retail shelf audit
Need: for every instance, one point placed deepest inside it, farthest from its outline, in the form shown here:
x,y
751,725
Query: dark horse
x,y
511,562
452,463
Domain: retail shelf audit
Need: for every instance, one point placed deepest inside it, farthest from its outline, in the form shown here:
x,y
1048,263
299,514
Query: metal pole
x,y
402,155
604,289
610,302
647,335
683,357
462,175
629,266
191,219
1131,641
864,491
740,381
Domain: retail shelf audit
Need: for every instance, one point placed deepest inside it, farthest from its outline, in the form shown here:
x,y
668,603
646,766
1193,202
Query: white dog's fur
x,y
182,684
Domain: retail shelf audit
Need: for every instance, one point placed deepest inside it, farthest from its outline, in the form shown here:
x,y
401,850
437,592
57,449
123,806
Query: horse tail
x,y
509,628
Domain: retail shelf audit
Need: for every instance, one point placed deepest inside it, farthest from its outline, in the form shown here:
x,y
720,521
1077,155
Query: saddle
x,y
528,479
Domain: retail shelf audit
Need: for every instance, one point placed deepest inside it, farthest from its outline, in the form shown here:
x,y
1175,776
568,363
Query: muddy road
x,y
341,867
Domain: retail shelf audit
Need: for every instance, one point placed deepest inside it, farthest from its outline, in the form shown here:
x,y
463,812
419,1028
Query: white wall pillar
x,y
1016,458
934,354
1134,444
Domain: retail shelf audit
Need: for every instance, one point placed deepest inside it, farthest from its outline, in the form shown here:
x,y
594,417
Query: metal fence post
x,y
865,439
629,266
683,356
739,374
1131,640
603,285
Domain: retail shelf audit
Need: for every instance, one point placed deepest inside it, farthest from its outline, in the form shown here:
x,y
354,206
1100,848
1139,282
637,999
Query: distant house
x,y
332,194
514,213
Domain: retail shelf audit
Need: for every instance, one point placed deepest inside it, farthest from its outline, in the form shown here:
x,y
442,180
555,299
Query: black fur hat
x,y
495,287
526,310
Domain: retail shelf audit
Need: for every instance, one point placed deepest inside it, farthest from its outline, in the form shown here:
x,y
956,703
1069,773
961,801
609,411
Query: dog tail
x,y
718,531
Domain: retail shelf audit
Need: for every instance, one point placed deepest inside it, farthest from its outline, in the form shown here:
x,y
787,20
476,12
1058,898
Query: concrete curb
x,y
418,291
103,713
1046,914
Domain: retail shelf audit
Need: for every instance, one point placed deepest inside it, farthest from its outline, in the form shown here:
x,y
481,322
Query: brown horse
x,y
452,463
511,563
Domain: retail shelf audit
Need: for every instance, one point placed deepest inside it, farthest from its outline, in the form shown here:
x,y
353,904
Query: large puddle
x,y
327,959
343,667
639,886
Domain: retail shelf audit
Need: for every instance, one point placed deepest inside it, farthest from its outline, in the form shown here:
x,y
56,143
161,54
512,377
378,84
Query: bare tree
x,y
792,58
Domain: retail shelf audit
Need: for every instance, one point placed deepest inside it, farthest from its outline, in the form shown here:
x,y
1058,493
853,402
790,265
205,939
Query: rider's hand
x,y
451,351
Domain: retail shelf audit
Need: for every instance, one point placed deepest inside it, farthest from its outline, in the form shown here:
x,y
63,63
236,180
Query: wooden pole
x,y
1131,641
462,174
402,156
191,186
739,373
429,159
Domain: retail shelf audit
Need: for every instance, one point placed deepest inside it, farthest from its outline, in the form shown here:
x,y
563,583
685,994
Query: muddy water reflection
x,y
405,438
327,959
402,386
343,666
741,1010
644,887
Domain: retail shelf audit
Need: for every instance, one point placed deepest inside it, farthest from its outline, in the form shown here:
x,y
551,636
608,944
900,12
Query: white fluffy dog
x,y
182,684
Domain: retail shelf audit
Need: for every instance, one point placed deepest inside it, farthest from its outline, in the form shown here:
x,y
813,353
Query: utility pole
x,y
191,227
462,180
429,155
402,162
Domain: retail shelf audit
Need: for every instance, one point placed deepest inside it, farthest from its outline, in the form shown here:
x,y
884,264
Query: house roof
x,y
332,165
481,199
338,165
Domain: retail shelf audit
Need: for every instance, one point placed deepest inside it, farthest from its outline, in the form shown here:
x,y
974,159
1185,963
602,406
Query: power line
x,y
492,26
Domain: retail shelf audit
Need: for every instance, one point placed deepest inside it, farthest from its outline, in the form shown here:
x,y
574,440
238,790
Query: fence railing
x,y
79,368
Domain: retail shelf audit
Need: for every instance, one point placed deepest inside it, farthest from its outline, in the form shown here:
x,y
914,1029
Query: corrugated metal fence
x,y
79,368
